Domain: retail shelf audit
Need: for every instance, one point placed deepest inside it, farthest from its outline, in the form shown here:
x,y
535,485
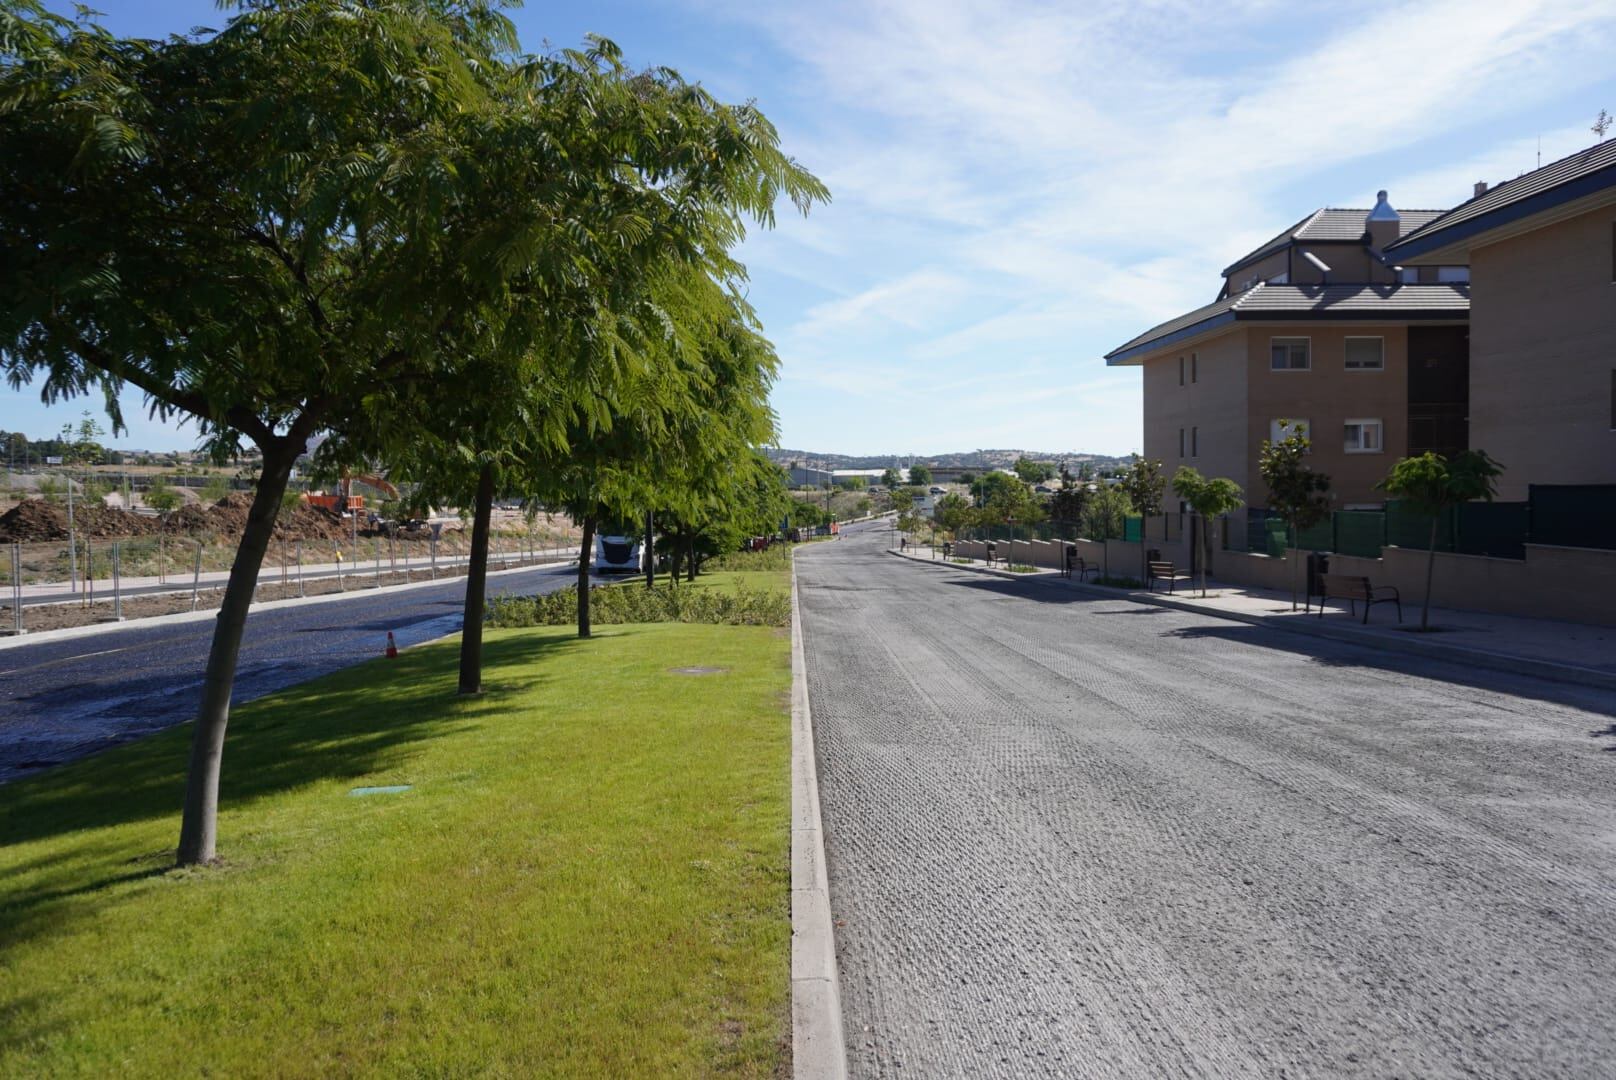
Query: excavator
x,y
346,501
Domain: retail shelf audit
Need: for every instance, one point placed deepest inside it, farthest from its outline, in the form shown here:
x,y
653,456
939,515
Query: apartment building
x,y
1317,326
1542,255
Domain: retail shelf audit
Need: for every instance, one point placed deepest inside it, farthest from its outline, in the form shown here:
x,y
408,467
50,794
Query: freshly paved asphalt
x,y
64,699
1078,837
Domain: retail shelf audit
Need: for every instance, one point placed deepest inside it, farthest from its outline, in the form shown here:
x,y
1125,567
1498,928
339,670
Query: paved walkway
x,y
1069,835
1539,641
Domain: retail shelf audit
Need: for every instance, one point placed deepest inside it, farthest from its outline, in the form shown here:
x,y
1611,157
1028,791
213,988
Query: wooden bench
x,y
1160,571
1352,588
1075,566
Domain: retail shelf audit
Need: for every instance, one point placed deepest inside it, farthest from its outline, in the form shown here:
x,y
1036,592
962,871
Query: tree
x,y
1210,498
953,512
967,478
891,479
1144,485
1432,484
1002,498
919,475
161,497
316,219
1033,472
1299,495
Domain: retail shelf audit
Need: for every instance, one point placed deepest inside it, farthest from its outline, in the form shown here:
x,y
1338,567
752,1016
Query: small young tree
x,y
919,475
891,479
1144,485
161,497
1432,484
1211,498
1296,493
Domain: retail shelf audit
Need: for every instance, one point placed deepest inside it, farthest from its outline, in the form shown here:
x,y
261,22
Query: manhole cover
x,y
390,789
700,670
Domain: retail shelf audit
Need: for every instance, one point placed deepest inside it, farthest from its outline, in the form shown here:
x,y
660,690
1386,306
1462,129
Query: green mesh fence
x,y
1319,537
1359,532
1496,529
1133,529
1406,527
1573,515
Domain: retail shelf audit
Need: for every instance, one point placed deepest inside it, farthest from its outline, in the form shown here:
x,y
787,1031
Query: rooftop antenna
x,y
1601,124
1540,151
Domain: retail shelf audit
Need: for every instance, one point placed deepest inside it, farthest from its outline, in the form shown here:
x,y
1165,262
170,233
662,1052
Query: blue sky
x,y
1018,187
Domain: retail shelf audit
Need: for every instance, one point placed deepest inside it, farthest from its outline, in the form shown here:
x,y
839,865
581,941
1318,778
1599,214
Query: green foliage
x,y
968,479
1144,485
1431,483
1021,568
160,496
1105,512
919,475
1033,472
1003,498
632,603
891,478
952,512
214,488
1296,492
1211,498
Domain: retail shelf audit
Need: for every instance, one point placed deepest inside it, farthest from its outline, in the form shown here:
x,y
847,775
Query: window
x,y
1363,437
1195,442
1453,275
1275,435
1289,354
1181,371
1195,375
1281,278
1180,442
1408,275
1366,354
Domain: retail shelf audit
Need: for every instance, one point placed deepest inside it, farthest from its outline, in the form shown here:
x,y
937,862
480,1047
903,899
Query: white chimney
x,y
1383,225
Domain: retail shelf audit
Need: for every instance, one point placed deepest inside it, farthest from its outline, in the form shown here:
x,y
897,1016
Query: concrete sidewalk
x,y
1572,652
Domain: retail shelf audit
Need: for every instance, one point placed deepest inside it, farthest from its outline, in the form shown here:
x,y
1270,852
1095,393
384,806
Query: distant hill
x,y
964,459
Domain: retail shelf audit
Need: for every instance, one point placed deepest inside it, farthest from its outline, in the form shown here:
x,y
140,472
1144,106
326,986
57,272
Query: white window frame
x,y
1288,338
1363,337
1361,423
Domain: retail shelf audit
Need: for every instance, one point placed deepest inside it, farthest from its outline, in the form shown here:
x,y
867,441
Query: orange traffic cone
x,y
392,649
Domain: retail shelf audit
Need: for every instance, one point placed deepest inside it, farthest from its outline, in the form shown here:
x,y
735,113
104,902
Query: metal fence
x,y
52,584
1582,515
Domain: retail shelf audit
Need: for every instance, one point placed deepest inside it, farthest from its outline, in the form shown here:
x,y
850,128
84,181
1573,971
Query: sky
x,y
1019,187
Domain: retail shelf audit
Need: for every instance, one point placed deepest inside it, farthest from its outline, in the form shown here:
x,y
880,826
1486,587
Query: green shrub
x,y
635,604
1021,568
777,557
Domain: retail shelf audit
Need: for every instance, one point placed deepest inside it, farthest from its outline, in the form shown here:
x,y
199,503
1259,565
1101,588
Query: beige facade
x,y
1231,396
1543,353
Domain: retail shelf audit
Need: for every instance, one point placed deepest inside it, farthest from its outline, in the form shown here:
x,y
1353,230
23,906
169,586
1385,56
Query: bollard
x,y
299,549
340,586
196,577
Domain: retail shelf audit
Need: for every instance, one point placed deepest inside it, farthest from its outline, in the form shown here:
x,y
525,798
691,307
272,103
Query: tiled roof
x,y
1583,173
1306,303
1331,223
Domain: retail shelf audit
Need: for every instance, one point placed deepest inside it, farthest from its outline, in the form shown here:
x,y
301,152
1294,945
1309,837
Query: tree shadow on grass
x,y
1330,652
349,724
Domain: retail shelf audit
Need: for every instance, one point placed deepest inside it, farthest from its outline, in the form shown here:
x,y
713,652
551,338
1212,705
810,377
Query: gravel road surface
x,y
1080,837
61,700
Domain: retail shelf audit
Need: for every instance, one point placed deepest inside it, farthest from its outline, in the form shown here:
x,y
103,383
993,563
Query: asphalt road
x,y
1079,837
64,699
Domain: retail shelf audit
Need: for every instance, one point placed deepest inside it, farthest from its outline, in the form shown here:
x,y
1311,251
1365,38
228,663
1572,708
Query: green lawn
x,y
589,876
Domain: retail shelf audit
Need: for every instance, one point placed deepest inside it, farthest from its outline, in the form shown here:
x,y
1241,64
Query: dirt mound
x,y
35,520
38,520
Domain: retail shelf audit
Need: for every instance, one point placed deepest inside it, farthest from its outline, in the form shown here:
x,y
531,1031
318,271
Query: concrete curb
x,y
818,1049
34,637
1434,650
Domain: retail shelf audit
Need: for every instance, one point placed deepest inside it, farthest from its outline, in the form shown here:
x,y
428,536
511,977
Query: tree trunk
x,y
674,548
583,575
690,560
1430,571
199,822
471,626
1296,553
